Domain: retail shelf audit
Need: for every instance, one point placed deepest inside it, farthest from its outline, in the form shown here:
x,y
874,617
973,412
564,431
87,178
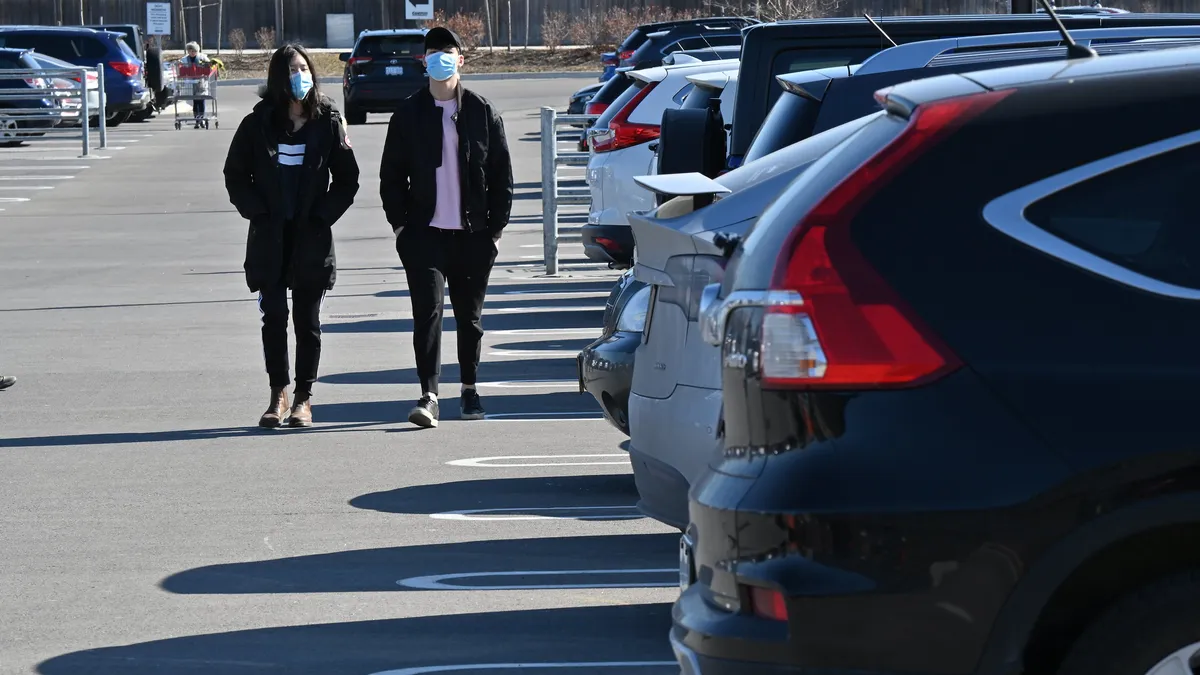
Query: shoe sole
x,y
422,418
269,424
473,416
296,424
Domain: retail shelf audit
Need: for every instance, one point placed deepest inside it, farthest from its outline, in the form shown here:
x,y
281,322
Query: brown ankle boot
x,y
301,412
278,407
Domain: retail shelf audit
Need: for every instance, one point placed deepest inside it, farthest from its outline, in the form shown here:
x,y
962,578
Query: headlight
x,y
633,314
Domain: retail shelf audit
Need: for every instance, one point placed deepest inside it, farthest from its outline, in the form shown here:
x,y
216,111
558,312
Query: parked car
x,y
577,103
703,54
383,68
21,118
922,470
608,63
124,80
72,106
676,387
620,145
715,90
770,50
606,365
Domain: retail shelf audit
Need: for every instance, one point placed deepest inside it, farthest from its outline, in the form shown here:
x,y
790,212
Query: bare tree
x,y
265,36
555,29
237,40
776,10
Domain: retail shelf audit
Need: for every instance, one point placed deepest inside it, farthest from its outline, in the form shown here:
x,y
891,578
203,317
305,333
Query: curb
x,y
481,77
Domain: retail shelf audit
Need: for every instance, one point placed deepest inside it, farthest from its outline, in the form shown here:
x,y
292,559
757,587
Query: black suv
x,y
959,368
384,68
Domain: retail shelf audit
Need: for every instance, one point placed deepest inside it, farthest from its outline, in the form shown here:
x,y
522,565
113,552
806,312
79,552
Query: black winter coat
x,y
253,183
413,152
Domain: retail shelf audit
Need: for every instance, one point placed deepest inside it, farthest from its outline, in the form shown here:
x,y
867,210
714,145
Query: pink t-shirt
x,y
447,214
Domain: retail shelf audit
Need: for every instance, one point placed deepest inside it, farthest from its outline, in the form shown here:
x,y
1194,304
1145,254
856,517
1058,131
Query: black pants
x,y
198,108
273,303
435,258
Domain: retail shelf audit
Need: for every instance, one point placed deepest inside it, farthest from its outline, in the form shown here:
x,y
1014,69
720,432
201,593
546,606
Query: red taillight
x,y
626,55
845,328
595,108
768,603
124,68
357,60
622,133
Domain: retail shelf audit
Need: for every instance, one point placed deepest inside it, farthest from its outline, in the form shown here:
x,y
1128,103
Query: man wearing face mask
x,y
446,184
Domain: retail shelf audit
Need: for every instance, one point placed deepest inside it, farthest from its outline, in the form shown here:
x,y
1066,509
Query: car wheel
x,y
9,130
1153,631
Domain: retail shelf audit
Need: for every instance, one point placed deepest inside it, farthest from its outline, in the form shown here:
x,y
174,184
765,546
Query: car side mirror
x,y
344,56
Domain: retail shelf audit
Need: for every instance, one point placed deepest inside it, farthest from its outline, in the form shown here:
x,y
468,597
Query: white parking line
x,y
550,291
37,177
530,384
434,582
423,670
13,199
26,187
550,353
44,168
483,462
472,514
550,308
583,332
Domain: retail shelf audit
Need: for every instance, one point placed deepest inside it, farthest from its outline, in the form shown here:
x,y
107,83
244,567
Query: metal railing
x,y
553,194
60,107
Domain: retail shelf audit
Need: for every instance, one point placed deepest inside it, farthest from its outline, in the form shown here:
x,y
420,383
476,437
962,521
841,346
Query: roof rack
x,y
926,52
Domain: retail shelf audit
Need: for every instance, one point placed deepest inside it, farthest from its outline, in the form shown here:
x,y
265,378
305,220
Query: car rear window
x,y
805,58
791,120
127,50
1138,216
625,97
698,98
392,45
10,63
65,47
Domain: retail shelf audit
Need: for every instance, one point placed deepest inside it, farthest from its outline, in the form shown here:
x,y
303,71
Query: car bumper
x,y
138,101
673,441
608,243
691,663
606,372
381,97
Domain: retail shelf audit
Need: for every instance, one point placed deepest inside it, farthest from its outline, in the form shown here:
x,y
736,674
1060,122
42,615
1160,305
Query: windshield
x,y
791,119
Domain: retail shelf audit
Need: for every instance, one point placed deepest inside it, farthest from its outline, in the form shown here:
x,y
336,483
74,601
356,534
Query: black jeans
x,y
432,259
273,303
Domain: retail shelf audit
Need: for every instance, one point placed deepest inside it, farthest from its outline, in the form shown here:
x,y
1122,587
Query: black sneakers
x,y
425,414
472,409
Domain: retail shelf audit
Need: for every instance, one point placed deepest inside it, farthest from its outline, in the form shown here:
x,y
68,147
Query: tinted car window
x,y
65,47
795,60
126,49
392,45
791,120
612,89
698,98
683,93
1139,216
625,97
10,63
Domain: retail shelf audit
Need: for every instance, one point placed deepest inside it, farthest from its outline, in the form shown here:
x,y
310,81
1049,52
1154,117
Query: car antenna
x,y
880,29
1074,49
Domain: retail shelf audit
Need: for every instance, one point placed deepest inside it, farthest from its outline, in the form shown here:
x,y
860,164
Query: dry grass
x,y
254,66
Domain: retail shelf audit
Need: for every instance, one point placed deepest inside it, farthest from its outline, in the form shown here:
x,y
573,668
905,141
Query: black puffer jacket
x,y
413,152
251,177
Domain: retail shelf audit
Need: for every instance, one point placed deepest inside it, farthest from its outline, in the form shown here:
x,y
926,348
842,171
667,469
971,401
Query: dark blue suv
x,y
124,75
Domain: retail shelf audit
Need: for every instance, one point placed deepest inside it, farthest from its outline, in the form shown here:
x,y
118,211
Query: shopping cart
x,y
198,84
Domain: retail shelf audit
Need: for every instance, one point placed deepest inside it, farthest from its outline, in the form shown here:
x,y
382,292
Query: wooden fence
x,y
304,20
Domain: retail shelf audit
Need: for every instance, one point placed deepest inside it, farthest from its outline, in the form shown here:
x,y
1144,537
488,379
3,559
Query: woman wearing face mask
x,y
278,175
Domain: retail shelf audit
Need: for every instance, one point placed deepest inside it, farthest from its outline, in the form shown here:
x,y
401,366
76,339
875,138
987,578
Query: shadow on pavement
x,y
565,344
497,288
489,371
586,634
183,434
503,493
515,321
379,569
388,412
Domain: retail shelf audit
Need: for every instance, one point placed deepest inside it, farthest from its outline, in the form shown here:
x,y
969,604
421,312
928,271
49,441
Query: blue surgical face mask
x,y
441,65
302,82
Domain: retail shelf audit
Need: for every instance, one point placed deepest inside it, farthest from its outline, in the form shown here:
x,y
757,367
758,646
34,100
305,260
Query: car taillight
x,y
622,133
358,60
626,55
842,326
123,67
595,108
36,83
768,603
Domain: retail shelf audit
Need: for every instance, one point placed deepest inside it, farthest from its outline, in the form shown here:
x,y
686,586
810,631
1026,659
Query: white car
x,y
720,85
620,146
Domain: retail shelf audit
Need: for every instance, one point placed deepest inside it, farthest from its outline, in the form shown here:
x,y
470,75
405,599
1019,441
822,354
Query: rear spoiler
x,y
682,185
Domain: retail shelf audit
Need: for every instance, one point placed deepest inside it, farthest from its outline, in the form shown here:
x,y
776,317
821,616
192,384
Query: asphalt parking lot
x,y
149,526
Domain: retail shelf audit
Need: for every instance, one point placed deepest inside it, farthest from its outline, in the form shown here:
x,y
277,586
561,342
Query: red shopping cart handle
x,y
195,71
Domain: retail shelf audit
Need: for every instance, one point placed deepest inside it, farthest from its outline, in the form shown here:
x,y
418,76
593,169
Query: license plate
x,y
686,566
395,70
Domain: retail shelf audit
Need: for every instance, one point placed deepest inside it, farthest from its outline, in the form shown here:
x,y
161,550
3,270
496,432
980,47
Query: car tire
x,y
1141,630
355,116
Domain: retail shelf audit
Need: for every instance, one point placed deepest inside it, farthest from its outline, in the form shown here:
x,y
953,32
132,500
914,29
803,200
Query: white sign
x,y
420,10
158,18
339,30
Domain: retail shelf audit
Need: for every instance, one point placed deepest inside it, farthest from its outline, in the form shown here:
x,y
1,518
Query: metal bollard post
x,y
549,191
85,114
103,107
